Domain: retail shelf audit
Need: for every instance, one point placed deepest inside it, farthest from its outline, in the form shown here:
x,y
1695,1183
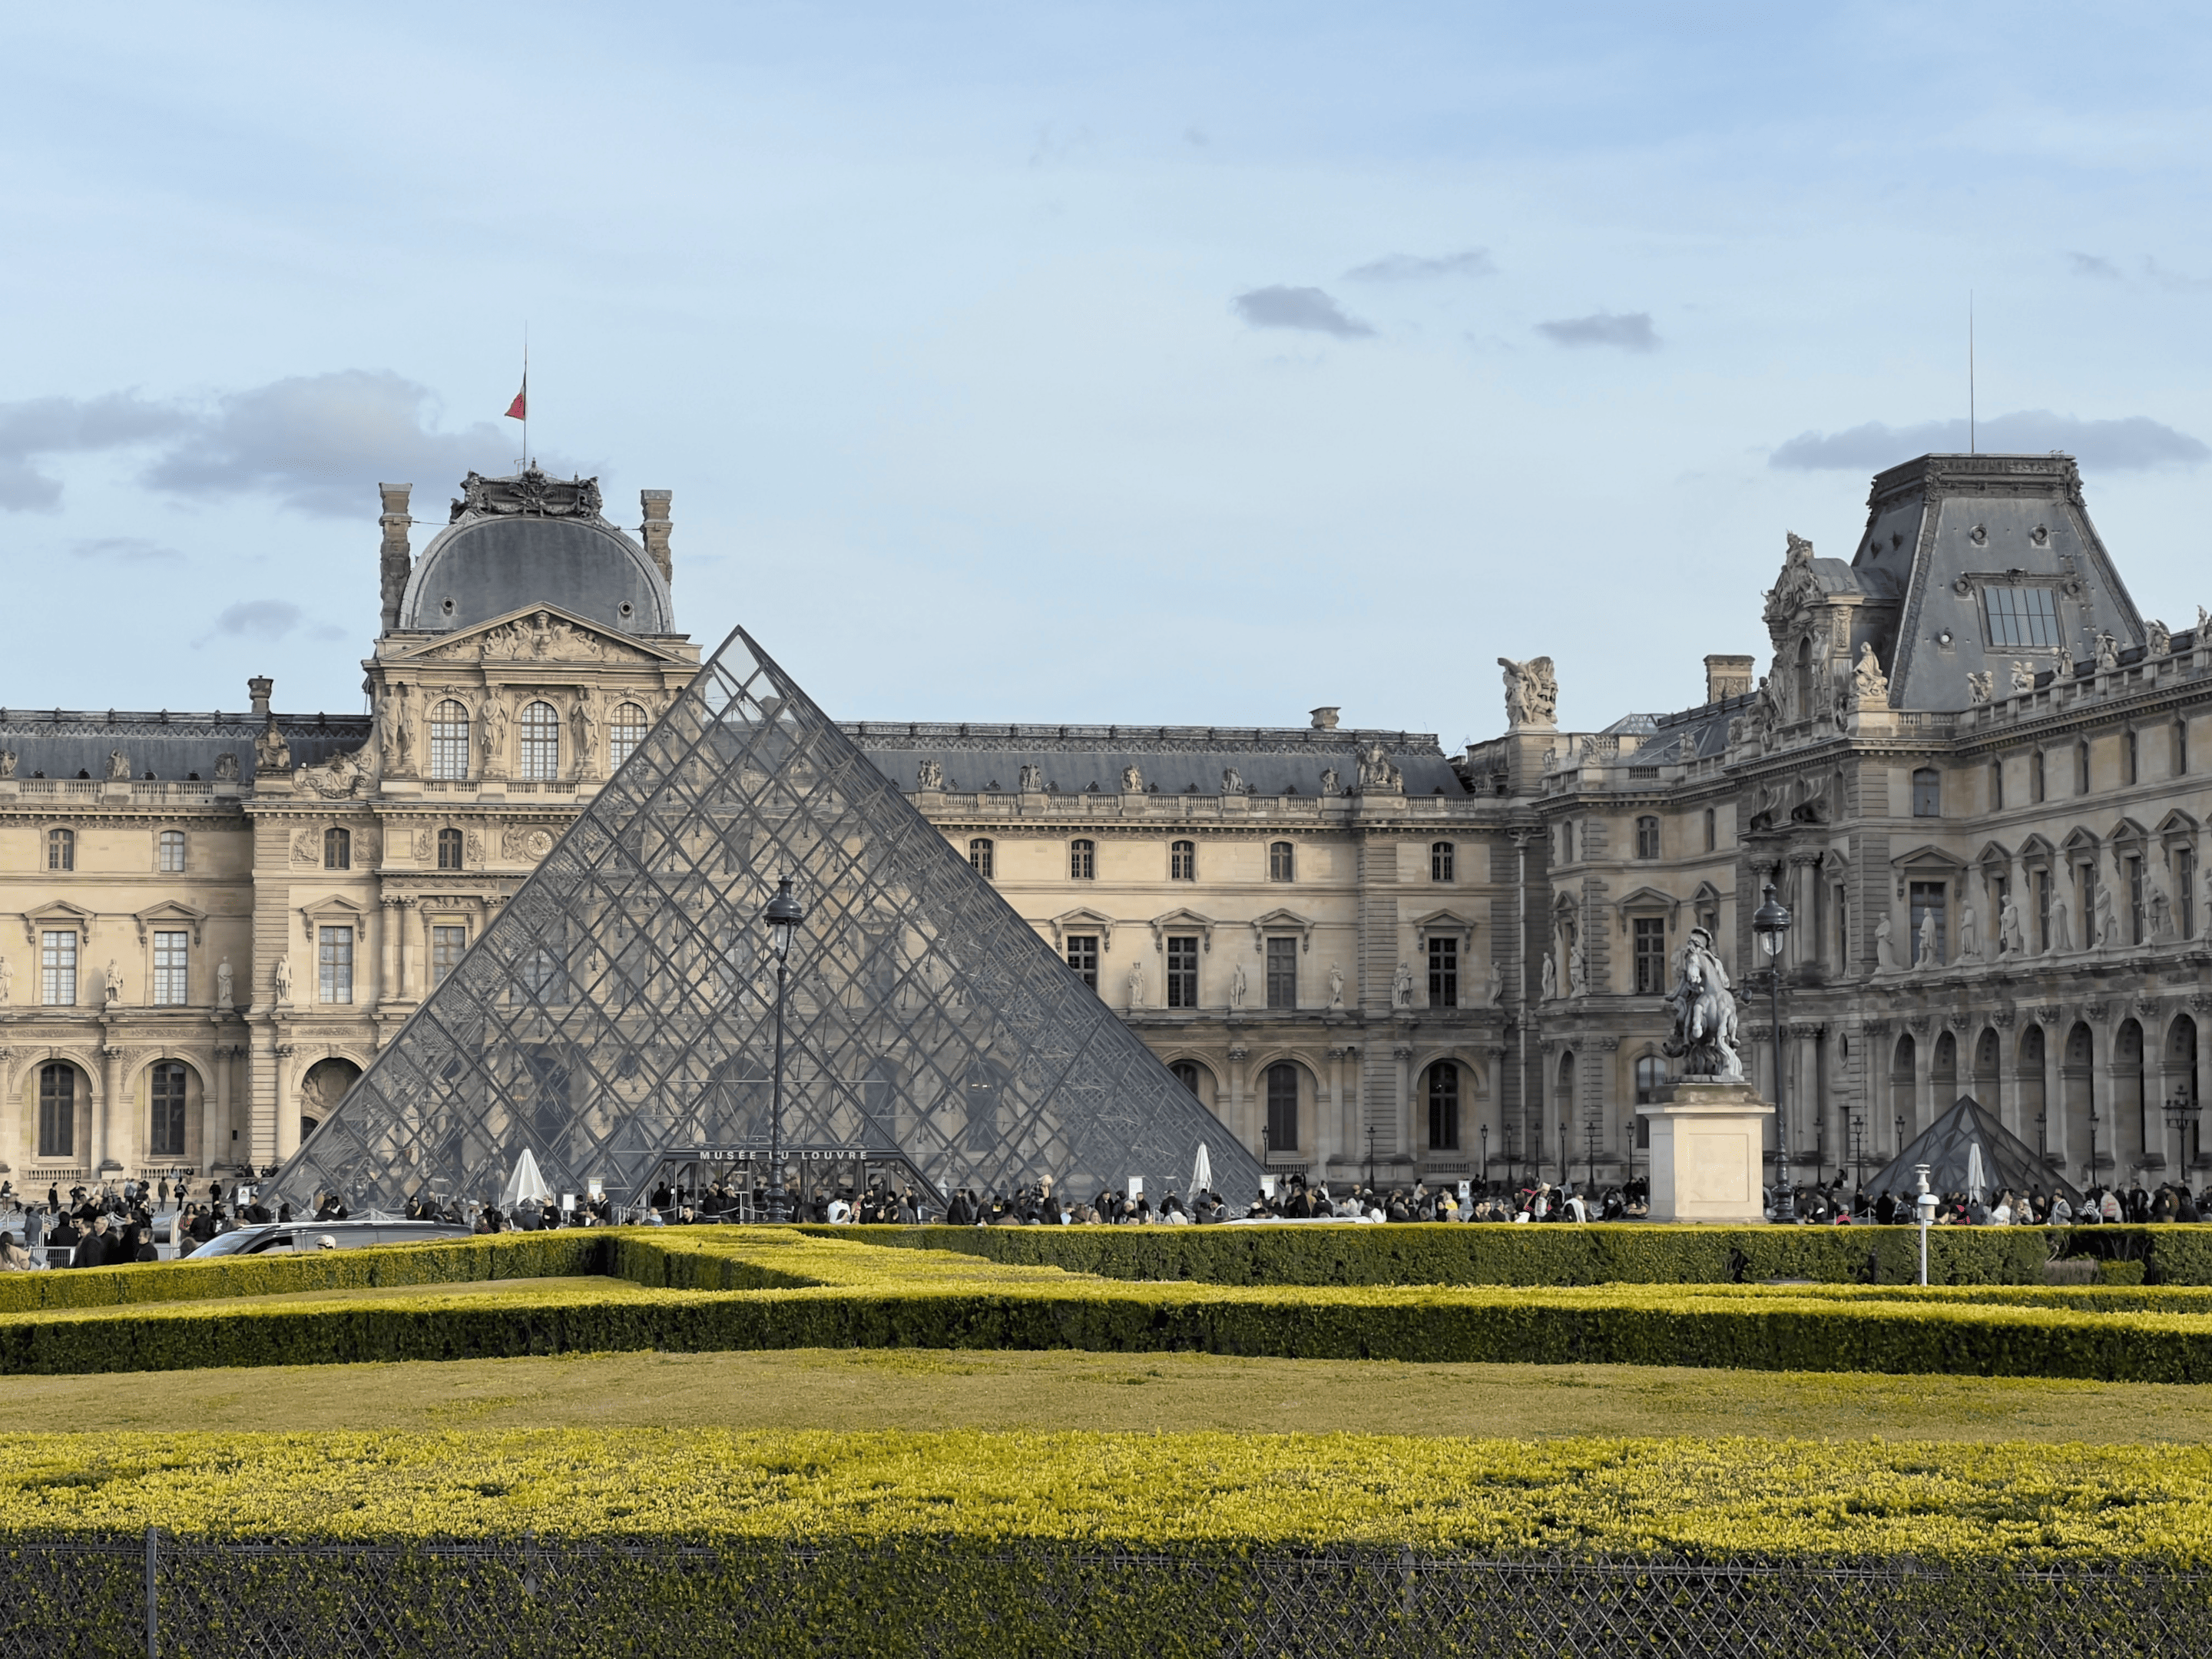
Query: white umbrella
x,y
1201,1172
525,1183
1975,1177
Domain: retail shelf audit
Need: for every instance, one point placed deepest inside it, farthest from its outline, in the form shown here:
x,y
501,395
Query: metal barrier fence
x,y
159,1596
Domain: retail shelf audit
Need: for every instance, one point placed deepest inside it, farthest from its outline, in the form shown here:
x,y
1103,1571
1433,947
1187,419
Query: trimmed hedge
x,y
1612,1253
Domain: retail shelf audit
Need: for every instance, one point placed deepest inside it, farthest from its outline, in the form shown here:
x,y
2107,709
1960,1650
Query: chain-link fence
x,y
159,1596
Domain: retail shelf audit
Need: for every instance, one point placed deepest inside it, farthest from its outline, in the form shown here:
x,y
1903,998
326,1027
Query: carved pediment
x,y
1181,921
171,914
1082,920
543,633
58,916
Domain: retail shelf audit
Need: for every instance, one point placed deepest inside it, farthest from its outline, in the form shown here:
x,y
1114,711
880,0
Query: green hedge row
x,y
1618,1325
462,1260
1463,1254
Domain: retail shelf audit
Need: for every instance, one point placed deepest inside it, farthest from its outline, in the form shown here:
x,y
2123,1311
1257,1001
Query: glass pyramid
x,y
619,1013
1967,1151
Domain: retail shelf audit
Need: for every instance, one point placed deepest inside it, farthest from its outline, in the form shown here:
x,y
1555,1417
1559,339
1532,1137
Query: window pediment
x,y
170,913
1282,921
1649,901
1443,923
1183,921
59,916
1082,921
336,911
1925,863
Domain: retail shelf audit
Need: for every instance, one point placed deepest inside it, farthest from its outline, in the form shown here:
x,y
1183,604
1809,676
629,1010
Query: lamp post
x,y
1486,1160
2180,1117
784,914
1592,1133
2093,1145
1857,1125
1770,922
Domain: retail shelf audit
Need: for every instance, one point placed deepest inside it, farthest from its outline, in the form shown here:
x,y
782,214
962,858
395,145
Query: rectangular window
x,y
1183,861
1927,898
1283,1107
1444,973
979,857
1282,973
169,970
2132,869
57,1111
1082,861
2020,616
1997,786
2130,757
2035,777
166,1110
57,970
1182,971
1083,956
2086,874
1443,862
173,852
1650,947
2181,749
335,962
1927,793
2184,884
2042,911
447,946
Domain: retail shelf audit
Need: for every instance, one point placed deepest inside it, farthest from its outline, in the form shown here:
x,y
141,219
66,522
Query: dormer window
x,y
2020,616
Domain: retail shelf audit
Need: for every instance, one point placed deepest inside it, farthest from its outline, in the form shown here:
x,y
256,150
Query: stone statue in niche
x,y
1133,780
1232,782
1704,1013
2108,923
114,982
7,982
495,736
2023,677
1930,954
119,766
1494,996
2161,912
226,768
1136,983
2108,652
1970,935
2011,940
1401,988
584,724
1335,985
1236,987
1550,979
1577,969
1033,779
1532,691
1376,772
281,973
7,763
2158,639
224,986
2062,931
1869,685
1330,783
930,775
1885,950
272,754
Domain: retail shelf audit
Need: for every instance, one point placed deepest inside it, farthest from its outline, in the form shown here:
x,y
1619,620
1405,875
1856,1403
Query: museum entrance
x,y
691,1175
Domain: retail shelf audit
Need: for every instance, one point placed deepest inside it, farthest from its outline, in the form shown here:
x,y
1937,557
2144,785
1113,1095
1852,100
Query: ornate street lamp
x,y
1486,1160
1771,922
2181,1116
783,915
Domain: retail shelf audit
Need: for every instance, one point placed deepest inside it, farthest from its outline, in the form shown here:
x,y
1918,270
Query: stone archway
x,y
322,1088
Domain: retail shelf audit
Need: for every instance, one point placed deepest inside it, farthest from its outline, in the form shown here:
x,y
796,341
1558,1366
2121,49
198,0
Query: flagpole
x,y
525,394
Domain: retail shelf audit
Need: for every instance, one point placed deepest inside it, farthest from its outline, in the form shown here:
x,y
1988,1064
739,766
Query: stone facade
x,y
1363,954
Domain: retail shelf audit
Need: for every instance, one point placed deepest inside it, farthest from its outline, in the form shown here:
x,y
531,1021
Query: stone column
x,y
1924,1034
112,1140
216,1144
1401,1054
288,1109
393,930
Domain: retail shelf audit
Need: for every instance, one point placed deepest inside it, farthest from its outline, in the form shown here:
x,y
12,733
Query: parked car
x,y
293,1236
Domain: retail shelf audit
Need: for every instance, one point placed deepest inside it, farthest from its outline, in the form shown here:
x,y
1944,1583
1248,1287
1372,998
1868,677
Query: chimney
x,y
1324,719
655,530
1727,677
258,689
394,561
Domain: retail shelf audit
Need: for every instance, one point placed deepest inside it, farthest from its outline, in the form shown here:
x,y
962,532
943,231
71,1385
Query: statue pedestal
x,y
1707,1141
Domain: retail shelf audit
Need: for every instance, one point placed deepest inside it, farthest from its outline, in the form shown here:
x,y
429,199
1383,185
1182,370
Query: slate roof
x,y
61,743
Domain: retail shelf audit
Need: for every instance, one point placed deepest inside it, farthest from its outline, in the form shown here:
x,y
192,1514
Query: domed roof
x,y
529,540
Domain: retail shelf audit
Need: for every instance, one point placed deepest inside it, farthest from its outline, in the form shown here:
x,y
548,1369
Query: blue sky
x,y
1131,364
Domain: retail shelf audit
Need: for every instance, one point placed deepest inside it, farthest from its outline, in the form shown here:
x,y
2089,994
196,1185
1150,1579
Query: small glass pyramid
x,y
619,1013
1967,1150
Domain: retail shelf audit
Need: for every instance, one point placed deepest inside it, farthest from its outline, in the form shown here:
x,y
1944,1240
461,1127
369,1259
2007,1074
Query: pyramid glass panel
x,y
1967,1150
618,1015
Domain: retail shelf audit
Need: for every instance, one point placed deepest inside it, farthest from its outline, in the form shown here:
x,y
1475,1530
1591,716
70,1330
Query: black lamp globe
x,y
785,913
1770,921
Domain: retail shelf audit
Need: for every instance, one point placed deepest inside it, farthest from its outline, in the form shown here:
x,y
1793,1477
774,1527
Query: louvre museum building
x,y
1970,769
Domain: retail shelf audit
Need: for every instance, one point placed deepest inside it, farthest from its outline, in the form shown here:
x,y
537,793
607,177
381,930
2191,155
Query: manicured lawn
x,y
931,1389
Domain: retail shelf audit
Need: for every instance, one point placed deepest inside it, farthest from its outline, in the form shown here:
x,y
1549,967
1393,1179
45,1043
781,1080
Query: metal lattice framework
x,y
620,1008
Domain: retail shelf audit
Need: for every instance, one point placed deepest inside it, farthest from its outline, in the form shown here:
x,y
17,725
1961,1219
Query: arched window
x,y
1647,836
61,849
165,1094
1444,1107
1902,1083
2078,1080
1566,1098
171,860
338,850
450,849
1282,1107
541,741
1185,1073
449,740
1082,861
57,1111
1943,1071
2033,1108
1182,860
979,856
1985,1067
2133,1104
1651,1078
625,733
1443,861
1281,866
2181,1071
1927,793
